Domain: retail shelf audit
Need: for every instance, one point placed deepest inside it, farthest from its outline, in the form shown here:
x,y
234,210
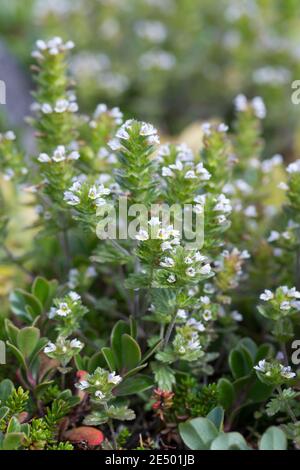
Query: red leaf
x,y
92,436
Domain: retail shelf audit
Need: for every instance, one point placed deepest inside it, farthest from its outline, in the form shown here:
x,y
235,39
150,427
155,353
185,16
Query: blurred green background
x,y
172,61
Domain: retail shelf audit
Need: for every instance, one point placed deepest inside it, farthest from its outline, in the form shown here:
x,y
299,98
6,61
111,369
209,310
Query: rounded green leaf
x,y
273,439
226,393
229,441
27,340
198,433
131,352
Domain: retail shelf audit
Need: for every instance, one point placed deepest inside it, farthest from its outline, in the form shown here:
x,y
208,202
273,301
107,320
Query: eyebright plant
x,y
194,341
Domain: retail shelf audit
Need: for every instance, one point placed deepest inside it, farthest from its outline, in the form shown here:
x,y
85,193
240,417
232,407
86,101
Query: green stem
x,y
287,405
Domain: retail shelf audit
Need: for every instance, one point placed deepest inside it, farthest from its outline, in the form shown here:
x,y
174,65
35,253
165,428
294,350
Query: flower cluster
x,y
186,343
68,311
63,350
283,302
273,373
100,385
59,155
52,47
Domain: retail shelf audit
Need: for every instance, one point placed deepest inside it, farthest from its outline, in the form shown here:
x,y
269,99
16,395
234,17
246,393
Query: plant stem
x,y
169,330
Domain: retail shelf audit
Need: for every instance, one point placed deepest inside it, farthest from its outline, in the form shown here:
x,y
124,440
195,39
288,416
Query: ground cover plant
x,y
148,341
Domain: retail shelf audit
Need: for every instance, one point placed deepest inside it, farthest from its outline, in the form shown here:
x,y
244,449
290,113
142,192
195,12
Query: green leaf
x,y
6,388
133,327
135,370
198,433
4,410
216,416
238,363
134,385
131,352
118,330
41,289
11,331
17,353
13,425
24,304
226,393
273,439
163,376
40,388
96,361
109,358
229,441
27,340
13,441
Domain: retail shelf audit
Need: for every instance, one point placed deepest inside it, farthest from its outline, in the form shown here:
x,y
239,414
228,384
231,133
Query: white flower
x,y
40,44
287,373
71,198
44,158
166,171
293,293
182,314
61,106
274,235
177,165
59,154
204,174
198,257
240,103
237,316
190,174
223,204
294,167
285,305
82,385
205,300
200,199
266,295
222,127
74,296
142,235
99,394
259,107
76,344
74,155
206,269
245,254
166,246
171,278
115,144
282,185
190,271
261,366
206,128
93,193
114,379
207,316
63,309
122,134
250,211
167,262
49,348
147,129
197,325
46,108
10,135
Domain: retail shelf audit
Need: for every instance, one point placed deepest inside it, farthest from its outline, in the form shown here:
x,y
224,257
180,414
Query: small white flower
x,y
63,309
206,269
274,235
287,372
122,134
142,235
207,316
190,271
99,394
147,129
190,175
167,262
76,344
59,154
10,135
154,221
205,300
49,348
285,305
198,257
294,167
44,158
166,171
261,366
114,144
266,295
71,198
182,314
171,279
250,211
82,385
259,107
74,296
240,103
74,155
282,185
114,379
61,106
206,128
237,316
222,127
46,108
